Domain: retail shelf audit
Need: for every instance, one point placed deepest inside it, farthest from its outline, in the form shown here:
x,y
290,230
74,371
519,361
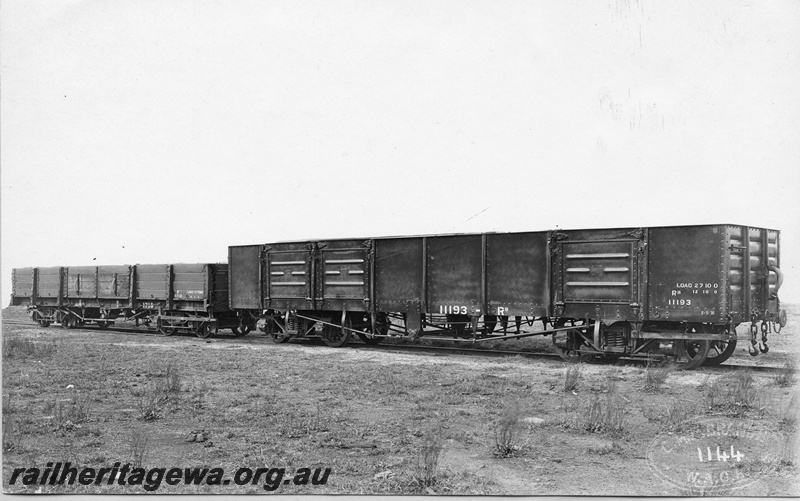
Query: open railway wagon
x,y
663,292
174,297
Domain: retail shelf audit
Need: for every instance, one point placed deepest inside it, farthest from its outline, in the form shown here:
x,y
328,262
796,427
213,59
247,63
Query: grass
x,y
572,377
386,423
163,387
788,413
148,401
786,376
426,471
138,443
734,394
672,417
654,376
15,347
70,413
594,413
508,431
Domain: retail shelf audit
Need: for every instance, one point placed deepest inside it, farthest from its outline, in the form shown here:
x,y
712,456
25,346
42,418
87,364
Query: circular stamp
x,y
715,454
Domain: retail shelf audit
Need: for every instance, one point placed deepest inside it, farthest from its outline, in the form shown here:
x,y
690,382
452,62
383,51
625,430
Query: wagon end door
x,y
752,282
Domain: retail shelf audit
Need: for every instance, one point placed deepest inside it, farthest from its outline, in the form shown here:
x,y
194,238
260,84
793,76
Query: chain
x,y
753,349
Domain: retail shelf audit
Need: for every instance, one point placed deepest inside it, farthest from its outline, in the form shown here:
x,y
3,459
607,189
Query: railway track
x,y
405,348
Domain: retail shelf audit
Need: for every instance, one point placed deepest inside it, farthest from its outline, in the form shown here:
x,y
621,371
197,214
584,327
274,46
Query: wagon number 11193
x,y
452,310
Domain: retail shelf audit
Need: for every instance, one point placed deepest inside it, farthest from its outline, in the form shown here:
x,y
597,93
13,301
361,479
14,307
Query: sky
x,y
144,131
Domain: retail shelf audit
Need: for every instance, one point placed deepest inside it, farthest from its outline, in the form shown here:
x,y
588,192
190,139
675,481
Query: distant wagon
x,y
678,292
191,297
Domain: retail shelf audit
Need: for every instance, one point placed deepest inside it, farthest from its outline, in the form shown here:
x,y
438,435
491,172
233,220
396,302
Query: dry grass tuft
x,y
148,401
734,394
600,414
654,376
673,416
138,447
426,472
573,376
17,347
508,431
172,378
786,376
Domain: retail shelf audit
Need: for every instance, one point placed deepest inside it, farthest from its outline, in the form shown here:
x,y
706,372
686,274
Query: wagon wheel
x,y
37,317
103,322
382,325
489,324
201,329
458,324
69,321
337,336
166,328
568,343
720,351
691,353
273,334
242,330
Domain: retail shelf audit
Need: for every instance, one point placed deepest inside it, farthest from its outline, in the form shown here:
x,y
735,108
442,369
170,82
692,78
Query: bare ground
x,y
370,414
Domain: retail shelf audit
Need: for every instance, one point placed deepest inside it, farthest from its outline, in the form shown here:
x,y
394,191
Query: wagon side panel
x,y
289,276
114,282
219,287
343,275
152,285
245,276
455,275
48,286
22,280
81,282
399,274
599,274
191,286
687,279
517,281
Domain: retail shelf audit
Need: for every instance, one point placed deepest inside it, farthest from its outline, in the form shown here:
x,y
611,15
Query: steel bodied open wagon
x,y
175,297
637,292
